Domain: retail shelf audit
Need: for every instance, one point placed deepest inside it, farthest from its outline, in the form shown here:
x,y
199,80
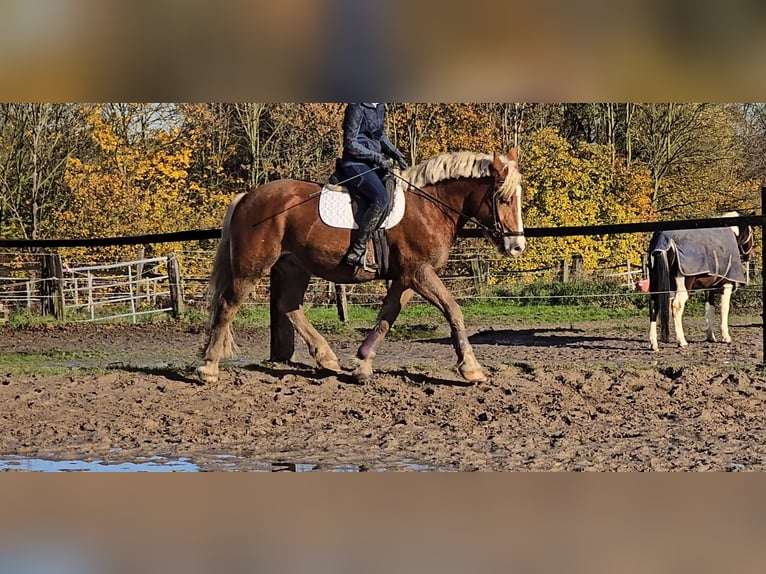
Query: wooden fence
x,y
52,288
98,292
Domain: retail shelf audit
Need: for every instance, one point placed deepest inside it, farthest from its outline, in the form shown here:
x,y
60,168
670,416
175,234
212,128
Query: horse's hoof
x,y
363,372
333,366
473,375
361,378
204,376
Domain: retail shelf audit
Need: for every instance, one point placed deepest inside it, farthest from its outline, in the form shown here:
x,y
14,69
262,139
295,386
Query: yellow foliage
x,y
569,185
130,190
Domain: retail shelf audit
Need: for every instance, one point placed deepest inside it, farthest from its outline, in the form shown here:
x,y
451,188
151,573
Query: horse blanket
x,y
711,252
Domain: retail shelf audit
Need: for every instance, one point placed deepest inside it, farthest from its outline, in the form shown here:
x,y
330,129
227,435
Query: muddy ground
x,y
590,396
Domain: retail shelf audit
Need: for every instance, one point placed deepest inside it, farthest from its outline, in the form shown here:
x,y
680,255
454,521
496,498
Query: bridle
x,y
747,243
498,231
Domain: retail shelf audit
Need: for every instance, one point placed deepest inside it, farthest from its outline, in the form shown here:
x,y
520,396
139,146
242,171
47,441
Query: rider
x,y
364,165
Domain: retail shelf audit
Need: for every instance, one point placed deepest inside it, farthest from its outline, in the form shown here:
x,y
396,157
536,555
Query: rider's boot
x,y
354,257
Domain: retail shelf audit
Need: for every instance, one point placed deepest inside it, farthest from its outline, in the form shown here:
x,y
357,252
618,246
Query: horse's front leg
x,y
427,283
710,315
396,298
725,301
677,306
293,281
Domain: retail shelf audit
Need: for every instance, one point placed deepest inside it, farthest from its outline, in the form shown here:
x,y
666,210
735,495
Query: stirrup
x,y
369,267
361,264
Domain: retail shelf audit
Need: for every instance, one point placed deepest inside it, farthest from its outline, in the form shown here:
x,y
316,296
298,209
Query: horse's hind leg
x,y
427,283
294,281
710,315
221,339
677,306
725,300
396,297
653,303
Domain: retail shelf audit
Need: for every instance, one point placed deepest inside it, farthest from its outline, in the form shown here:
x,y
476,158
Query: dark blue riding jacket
x,y
364,136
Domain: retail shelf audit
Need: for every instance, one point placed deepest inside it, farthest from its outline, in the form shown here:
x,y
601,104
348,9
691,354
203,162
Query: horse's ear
x,y
497,163
513,155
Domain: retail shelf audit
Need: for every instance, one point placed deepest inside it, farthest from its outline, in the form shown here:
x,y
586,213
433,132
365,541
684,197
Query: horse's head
x,y
745,236
746,241
505,202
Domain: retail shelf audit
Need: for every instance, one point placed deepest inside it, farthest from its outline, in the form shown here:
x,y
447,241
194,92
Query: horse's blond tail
x,y
221,279
660,287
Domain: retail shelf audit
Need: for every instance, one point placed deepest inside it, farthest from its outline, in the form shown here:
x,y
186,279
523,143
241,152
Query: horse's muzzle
x,y
514,245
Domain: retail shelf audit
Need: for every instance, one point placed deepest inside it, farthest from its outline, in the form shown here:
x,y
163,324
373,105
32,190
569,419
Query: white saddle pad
x,y
335,207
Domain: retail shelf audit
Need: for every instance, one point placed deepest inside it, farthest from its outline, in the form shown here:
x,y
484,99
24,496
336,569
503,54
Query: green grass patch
x,y
492,310
53,363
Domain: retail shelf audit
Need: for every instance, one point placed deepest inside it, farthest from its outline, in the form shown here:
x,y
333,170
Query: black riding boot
x,y
372,217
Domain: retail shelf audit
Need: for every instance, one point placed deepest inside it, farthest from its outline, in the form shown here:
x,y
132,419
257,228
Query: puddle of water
x,y
183,464
155,464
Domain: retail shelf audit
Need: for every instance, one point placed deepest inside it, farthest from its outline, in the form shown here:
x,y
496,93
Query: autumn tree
x,y
576,184
306,141
35,141
689,150
138,182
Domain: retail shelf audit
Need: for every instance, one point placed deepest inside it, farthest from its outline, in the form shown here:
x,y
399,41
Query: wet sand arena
x,y
590,396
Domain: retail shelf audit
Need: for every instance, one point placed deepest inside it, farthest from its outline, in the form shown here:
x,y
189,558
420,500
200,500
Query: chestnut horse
x,y
277,227
668,273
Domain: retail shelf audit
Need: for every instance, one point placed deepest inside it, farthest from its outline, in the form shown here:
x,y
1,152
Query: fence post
x,y
176,285
46,300
52,286
577,266
91,304
139,271
58,299
564,271
763,275
341,301
132,296
480,275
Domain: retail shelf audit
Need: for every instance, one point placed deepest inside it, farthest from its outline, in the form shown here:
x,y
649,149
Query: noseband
x,y
746,244
498,230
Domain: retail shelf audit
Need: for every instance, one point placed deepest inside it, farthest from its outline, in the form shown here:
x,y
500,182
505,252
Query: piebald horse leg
x,y
396,298
427,283
677,307
725,300
295,281
710,315
653,321
221,339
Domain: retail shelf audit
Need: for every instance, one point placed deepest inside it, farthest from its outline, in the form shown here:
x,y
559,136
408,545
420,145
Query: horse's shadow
x,y
280,370
541,337
180,374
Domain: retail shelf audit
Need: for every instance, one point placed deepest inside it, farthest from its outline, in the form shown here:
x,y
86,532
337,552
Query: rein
x,y
499,231
746,253
496,231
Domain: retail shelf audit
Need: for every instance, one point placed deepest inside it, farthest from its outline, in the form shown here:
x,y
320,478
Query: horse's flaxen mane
x,y
734,228
454,165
